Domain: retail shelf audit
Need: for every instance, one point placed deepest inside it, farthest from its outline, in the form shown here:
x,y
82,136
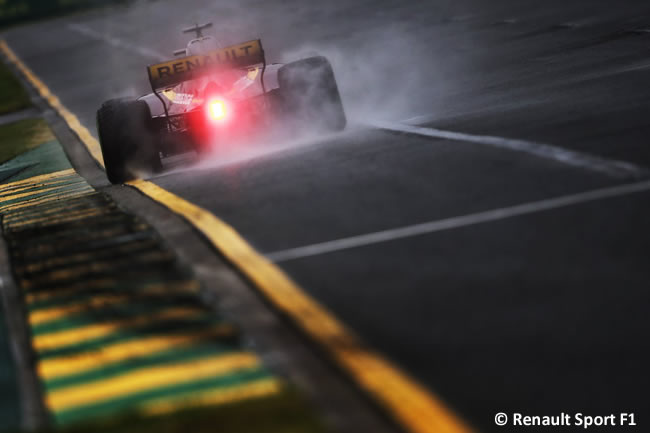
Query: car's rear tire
x,y
309,93
128,140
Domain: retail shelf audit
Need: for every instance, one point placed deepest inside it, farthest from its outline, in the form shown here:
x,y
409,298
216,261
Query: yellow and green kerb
x,y
117,325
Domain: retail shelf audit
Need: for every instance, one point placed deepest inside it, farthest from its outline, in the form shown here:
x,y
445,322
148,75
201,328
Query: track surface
x,y
542,313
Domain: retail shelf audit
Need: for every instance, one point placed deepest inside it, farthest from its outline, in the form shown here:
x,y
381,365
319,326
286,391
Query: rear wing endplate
x,y
168,74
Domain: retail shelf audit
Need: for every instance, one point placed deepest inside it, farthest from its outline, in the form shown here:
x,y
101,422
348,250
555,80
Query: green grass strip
x,y
13,96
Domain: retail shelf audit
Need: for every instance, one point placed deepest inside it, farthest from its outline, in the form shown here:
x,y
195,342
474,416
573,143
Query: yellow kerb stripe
x,y
414,406
46,315
120,351
147,379
27,194
54,193
54,340
43,200
231,394
152,289
59,181
37,179
65,217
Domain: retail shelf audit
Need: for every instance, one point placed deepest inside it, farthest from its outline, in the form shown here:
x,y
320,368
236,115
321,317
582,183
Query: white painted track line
x,y
455,222
117,42
614,168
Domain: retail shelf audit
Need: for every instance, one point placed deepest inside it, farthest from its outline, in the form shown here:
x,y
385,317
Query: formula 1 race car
x,y
211,96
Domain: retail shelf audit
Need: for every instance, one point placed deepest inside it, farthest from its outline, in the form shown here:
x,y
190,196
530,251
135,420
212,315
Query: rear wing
x,y
168,74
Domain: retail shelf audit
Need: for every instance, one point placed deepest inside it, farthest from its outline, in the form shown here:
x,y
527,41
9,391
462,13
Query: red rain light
x,y
217,109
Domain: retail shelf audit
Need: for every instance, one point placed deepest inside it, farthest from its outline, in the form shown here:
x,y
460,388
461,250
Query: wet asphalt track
x,y
542,313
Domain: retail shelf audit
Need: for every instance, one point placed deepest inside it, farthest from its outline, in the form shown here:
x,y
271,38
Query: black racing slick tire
x,y
310,94
128,140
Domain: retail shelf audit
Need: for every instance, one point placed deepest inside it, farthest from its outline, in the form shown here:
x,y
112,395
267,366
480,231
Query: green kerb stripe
x,y
135,333
131,401
156,359
51,193
59,182
178,298
106,315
